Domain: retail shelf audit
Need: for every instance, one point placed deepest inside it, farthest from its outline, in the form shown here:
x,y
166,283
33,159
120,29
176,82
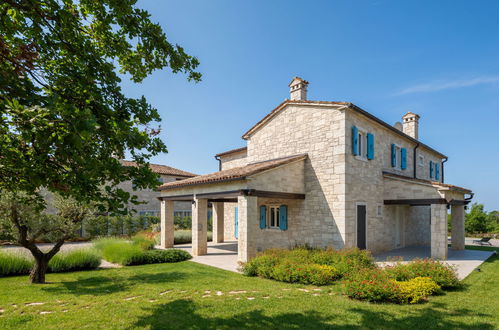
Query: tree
x,y
23,222
476,219
64,120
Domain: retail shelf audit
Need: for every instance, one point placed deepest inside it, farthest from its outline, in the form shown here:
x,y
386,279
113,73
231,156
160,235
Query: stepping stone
x,y
266,297
131,298
205,296
65,311
316,294
2,310
317,289
35,304
237,292
219,293
250,298
43,313
304,290
164,292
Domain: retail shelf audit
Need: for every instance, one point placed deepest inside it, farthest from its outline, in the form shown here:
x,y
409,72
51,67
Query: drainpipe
x,y
220,164
443,161
414,163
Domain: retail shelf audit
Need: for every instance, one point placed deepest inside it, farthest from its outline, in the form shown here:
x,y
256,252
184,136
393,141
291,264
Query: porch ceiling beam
x,y
272,194
223,200
220,194
415,202
459,202
178,198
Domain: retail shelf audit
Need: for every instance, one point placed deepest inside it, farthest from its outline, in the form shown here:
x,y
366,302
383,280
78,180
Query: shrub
x,y
74,260
288,265
371,285
160,256
143,241
118,251
185,236
442,274
417,289
304,273
14,264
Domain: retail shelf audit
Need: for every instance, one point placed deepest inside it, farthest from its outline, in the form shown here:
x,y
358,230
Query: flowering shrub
x,y
417,289
442,274
306,265
304,273
371,285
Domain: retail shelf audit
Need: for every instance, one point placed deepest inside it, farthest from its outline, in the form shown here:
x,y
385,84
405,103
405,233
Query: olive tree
x,y
65,122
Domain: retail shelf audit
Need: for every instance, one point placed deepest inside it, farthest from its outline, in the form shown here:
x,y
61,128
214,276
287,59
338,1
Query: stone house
x,y
326,174
152,205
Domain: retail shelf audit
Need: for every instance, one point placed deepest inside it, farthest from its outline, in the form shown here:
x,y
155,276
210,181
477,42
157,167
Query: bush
x,y
14,264
117,250
74,260
371,285
144,241
301,264
304,273
160,256
417,289
442,274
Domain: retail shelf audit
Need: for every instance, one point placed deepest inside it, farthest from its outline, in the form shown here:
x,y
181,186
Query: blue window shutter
x,y
283,217
355,141
394,155
236,222
263,217
431,169
403,158
370,146
437,171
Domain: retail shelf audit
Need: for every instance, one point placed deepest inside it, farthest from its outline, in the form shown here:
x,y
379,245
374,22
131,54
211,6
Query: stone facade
x,y
336,183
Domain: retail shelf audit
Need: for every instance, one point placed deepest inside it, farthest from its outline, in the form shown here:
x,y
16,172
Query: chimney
x,y
298,89
410,124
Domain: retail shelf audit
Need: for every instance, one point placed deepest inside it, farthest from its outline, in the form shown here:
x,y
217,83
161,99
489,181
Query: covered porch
x,y
265,195
427,204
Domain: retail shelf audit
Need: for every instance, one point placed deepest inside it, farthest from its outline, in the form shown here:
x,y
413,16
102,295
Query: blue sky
x,y
439,59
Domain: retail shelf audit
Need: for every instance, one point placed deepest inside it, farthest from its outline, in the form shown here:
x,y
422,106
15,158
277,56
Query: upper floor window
x,y
399,157
362,143
421,160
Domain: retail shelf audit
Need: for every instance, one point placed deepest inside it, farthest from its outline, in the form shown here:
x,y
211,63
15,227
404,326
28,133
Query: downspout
x,y
414,164
220,164
443,161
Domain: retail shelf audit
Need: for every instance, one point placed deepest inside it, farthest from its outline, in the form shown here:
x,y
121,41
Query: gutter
x,y
443,177
414,164
220,164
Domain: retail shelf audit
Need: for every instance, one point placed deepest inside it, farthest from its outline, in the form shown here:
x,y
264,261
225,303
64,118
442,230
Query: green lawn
x,y
184,296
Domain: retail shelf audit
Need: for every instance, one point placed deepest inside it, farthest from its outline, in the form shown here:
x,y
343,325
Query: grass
x,y
184,236
184,296
74,260
14,263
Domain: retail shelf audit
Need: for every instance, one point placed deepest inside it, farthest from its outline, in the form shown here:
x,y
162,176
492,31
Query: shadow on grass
x,y
184,314
103,285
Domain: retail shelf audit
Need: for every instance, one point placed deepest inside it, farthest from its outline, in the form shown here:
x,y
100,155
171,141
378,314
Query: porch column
x,y
199,226
248,227
218,222
167,224
457,214
439,231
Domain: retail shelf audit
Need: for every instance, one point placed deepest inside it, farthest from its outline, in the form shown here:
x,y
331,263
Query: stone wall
x,y
320,132
366,184
232,160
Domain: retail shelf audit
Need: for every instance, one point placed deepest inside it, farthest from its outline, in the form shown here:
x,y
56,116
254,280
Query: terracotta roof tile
x,y
233,151
233,174
162,169
435,183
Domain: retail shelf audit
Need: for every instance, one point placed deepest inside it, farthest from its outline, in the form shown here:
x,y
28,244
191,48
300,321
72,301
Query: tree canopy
x,y
64,120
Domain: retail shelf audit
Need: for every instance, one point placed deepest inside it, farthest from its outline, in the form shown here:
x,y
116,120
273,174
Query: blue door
x,y
236,222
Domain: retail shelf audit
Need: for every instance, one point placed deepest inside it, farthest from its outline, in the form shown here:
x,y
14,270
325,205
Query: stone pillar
x,y
199,226
439,231
457,234
218,222
248,227
167,228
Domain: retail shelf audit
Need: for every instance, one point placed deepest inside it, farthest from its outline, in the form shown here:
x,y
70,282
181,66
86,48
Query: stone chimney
x,y
298,89
410,124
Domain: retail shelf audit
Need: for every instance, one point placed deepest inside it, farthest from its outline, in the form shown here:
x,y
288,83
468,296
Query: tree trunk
x,y
37,274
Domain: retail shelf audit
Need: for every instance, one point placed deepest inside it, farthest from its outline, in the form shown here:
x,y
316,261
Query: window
x,y
398,154
421,160
273,216
182,214
149,213
161,180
